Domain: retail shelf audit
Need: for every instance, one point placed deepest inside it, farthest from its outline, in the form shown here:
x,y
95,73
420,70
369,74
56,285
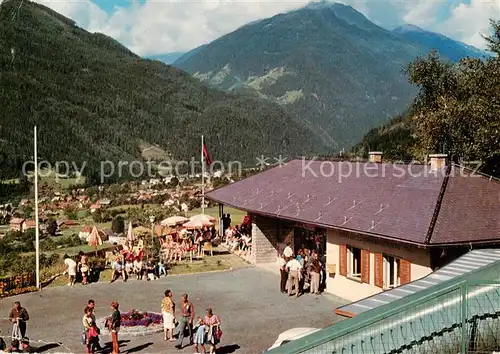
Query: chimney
x,y
375,156
437,161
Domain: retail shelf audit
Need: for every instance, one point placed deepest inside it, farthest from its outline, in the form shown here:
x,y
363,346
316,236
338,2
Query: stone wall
x,y
264,239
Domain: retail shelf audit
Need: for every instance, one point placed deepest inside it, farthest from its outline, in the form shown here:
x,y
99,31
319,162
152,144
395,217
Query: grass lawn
x,y
51,178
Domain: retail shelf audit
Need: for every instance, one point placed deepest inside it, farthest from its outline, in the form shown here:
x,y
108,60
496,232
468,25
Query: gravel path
x,y
252,310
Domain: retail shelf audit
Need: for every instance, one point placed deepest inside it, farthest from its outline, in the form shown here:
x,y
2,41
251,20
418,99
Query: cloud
x,y
158,27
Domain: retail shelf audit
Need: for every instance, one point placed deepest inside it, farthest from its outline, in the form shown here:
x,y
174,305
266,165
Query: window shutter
x,y
343,260
379,270
405,272
365,266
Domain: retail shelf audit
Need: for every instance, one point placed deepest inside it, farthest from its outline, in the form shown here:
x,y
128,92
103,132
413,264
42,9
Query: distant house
x,y
85,233
82,198
94,208
17,224
24,202
29,224
63,224
104,201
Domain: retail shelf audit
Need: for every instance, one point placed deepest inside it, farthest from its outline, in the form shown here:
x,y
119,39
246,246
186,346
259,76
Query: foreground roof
x,y
467,263
407,203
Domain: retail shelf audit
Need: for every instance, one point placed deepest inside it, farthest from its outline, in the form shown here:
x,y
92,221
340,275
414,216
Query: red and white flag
x,y
206,156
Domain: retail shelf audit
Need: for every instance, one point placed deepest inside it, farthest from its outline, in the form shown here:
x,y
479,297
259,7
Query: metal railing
x,y
458,316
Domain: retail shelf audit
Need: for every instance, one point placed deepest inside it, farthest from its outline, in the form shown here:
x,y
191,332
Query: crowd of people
x,y
238,237
178,244
303,271
206,331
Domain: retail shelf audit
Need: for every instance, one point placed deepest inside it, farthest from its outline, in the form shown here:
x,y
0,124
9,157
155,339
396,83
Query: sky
x,y
152,27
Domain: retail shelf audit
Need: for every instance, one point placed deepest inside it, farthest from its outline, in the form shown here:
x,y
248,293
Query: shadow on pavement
x,y
45,347
227,349
138,348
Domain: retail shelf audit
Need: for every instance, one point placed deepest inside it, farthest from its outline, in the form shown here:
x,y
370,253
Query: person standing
x,y
283,273
84,267
315,271
168,312
214,332
18,316
322,286
91,331
114,326
71,271
187,311
294,271
91,305
288,252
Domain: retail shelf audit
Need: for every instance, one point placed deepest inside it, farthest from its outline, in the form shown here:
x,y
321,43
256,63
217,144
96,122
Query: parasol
x,y
203,217
95,239
197,222
173,221
130,233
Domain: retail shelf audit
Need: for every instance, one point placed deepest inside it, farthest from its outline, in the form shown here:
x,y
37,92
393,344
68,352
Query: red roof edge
x,y
383,237
435,215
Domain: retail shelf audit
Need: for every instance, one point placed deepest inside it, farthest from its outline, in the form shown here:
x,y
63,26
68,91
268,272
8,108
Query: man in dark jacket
x,y
18,316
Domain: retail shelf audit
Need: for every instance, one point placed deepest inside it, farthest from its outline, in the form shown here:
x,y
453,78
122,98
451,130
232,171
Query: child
x,y
201,334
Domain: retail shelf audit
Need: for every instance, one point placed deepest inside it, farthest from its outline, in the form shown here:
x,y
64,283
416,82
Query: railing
x,y
453,317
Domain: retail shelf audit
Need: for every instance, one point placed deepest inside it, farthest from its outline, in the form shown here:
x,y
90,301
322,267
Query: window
x,y
353,262
392,272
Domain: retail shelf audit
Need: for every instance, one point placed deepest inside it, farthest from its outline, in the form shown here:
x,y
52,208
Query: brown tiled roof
x,y
16,221
469,211
407,203
30,223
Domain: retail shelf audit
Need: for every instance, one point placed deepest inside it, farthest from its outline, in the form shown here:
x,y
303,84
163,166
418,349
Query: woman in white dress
x,y
168,312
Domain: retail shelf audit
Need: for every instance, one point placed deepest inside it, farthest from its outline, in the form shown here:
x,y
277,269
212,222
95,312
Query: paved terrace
x,y
252,310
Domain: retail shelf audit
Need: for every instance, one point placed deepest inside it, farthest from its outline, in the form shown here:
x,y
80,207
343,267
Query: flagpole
x,y
202,179
37,227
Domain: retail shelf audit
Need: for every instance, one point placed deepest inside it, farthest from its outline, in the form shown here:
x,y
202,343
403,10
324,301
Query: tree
x,y
493,40
71,213
52,227
118,225
97,216
457,109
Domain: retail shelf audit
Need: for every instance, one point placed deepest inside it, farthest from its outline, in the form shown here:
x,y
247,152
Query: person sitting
x,y
118,270
138,268
150,270
129,267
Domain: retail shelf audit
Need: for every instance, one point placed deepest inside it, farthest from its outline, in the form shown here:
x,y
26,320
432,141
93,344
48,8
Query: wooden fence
x,y
16,284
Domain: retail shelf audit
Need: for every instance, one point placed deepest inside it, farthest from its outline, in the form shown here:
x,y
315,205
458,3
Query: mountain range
x,y
332,69
94,100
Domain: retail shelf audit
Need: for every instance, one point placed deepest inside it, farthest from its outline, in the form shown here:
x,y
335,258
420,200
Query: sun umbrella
x,y
130,233
95,239
197,223
203,217
173,220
